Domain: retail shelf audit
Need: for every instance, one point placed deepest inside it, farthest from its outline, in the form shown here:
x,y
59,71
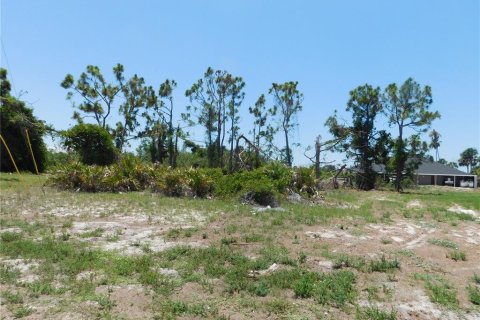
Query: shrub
x,y
92,142
15,117
304,180
173,183
201,181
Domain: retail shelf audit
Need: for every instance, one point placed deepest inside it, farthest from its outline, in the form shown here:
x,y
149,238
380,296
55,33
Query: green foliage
x,y
457,255
361,140
15,118
288,103
469,158
201,181
443,243
474,294
407,106
93,144
439,290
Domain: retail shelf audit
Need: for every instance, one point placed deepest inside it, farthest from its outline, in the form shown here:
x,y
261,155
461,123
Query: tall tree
x,y
263,131
211,97
361,138
469,158
159,125
407,107
236,98
137,98
99,98
435,142
98,95
288,101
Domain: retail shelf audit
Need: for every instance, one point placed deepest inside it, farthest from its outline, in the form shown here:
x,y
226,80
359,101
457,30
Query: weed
x,y
23,311
374,313
457,255
443,243
336,288
11,236
386,240
278,306
439,290
302,257
8,274
10,297
228,241
474,294
383,265
476,278
304,287
262,289
173,233
92,234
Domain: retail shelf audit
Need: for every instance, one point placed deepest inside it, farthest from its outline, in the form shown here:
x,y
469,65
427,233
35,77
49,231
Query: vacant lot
x,y
349,255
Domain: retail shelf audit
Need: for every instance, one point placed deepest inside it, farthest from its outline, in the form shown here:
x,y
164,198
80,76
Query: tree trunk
x,y
289,159
317,159
400,161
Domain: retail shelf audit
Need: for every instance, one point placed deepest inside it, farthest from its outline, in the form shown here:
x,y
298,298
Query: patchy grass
x,y
457,255
439,290
248,264
443,243
374,313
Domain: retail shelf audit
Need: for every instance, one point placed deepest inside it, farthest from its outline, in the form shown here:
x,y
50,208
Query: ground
x,y
349,255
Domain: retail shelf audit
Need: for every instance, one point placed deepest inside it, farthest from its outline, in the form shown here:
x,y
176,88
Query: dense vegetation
x,y
147,115
15,119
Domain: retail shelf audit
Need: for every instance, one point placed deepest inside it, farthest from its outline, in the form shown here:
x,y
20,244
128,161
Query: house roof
x,y
426,167
439,169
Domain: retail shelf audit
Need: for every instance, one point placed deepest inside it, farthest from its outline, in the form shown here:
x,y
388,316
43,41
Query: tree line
x,y
147,114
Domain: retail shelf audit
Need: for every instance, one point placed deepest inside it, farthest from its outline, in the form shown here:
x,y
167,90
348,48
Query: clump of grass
x,y
474,294
457,255
345,261
443,243
476,278
11,236
228,241
336,288
8,274
304,287
380,265
262,289
23,311
383,265
171,308
374,313
278,306
92,234
253,237
439,290
10,297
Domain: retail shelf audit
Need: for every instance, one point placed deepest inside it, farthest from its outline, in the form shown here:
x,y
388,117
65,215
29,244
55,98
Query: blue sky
x,y
329,47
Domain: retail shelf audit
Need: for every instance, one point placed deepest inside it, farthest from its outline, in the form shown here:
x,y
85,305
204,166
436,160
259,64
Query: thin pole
x,y
9,153
31,151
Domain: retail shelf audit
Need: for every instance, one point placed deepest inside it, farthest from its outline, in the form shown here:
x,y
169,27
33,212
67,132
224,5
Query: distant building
x,y
437,174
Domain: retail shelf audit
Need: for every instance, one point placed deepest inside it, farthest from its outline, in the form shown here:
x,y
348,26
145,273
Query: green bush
x,y
201,181
304,180
92,142
15,117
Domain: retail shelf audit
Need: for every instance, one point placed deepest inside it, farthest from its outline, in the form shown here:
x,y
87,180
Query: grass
x,y
457,255
229,269
443,243
359,263
474,294
374,313
15,298
439,290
